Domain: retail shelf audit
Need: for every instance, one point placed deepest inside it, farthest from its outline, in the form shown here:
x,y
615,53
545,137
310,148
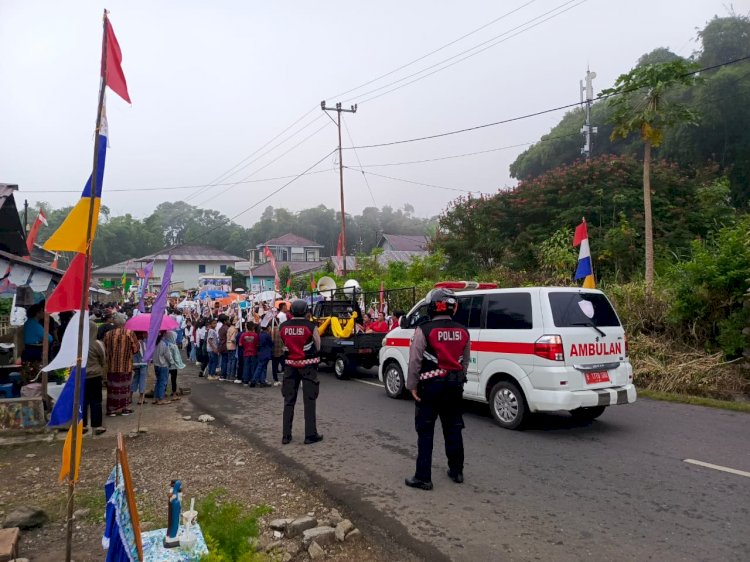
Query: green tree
x,y
238,279
642,101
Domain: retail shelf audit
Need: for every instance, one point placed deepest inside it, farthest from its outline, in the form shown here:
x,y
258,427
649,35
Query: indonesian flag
x,y
31,238
584,270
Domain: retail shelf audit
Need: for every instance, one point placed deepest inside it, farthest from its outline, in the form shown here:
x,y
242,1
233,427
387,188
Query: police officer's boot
x,y
457,477
415,482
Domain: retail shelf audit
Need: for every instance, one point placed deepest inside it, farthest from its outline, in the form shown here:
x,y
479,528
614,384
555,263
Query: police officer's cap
x,y
299,308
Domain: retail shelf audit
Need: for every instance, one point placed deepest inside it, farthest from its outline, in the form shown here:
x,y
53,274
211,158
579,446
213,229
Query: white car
x,y
533,349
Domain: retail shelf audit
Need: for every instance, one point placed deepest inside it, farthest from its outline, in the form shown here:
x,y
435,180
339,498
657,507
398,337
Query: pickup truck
x,y
346,354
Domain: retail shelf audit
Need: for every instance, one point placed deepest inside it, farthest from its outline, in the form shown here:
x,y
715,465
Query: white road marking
x,y
718,467
369,382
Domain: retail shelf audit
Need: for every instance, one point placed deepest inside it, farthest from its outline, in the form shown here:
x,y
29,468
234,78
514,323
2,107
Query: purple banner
x,y
157,311
144,285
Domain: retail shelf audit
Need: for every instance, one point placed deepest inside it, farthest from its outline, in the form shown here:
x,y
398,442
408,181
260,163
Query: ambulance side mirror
x,y
403,322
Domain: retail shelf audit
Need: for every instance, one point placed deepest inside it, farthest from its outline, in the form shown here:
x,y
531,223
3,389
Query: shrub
x,y
228,526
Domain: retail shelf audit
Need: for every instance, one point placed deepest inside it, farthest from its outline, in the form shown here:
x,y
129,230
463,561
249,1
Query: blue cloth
x,y
162,377
249,365
232,366
265,346
213,362
119,535
225,365
33,332
259,377
139,379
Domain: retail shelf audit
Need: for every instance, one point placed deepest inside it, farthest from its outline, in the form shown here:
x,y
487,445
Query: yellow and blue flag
x,y
71,234
62,411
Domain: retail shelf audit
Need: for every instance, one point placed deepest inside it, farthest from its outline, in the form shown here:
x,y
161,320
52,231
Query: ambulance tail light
x,y
626,345
550,347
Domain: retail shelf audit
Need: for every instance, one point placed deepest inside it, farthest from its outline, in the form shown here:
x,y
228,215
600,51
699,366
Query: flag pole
x,y
84,296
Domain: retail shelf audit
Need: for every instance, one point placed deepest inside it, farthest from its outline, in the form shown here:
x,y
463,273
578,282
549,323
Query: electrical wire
x,y
231,186
367,183
415,182
537,113
274,192
474,48
446,45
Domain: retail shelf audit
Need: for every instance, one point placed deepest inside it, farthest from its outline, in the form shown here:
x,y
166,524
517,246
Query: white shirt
x,y
282,317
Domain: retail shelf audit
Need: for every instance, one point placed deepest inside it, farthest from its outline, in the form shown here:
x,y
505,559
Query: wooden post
x,y
84,301
45,359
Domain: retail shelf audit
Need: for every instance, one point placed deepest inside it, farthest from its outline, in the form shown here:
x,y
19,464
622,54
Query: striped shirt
x,y
121,345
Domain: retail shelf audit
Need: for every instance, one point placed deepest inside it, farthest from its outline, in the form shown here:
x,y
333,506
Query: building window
x,y
201,268
223,268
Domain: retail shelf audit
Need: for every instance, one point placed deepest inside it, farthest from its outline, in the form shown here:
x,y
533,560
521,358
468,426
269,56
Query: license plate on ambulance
x,y
596,377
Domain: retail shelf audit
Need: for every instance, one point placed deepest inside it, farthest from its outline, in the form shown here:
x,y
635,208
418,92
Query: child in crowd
x,y
265,351
249,345
140,369
232,333
161,366
175,361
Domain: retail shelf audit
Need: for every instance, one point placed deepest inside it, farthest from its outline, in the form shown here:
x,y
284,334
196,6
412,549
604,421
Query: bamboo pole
x,y
84,298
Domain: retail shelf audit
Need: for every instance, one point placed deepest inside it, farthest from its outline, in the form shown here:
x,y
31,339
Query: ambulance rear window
x,y
576,309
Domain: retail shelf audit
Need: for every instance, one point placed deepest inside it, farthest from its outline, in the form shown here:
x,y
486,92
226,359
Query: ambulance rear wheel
x,y
393,380
508,405
342,366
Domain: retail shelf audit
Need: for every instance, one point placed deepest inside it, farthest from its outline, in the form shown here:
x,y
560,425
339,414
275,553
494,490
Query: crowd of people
x,y
226,343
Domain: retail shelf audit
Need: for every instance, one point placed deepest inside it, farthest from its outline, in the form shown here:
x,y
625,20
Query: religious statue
x,y
173,517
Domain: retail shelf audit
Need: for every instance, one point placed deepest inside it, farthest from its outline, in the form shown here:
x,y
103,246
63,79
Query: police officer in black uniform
x,y
302,342
438,360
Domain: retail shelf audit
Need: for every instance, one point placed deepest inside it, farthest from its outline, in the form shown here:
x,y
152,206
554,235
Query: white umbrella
x,y
267,296
187,304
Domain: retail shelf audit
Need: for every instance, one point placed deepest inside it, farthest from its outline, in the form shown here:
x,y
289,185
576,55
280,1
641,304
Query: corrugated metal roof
x,y
290,239
406,242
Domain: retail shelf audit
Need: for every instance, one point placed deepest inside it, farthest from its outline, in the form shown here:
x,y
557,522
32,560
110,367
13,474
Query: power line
x,y
535,114
415,182
231,186
446,45
526,23
356,154
237,167
231,171
274,192
466,154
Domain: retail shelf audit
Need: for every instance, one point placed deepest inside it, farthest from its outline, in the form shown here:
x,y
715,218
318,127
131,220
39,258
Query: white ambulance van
x,y
533,349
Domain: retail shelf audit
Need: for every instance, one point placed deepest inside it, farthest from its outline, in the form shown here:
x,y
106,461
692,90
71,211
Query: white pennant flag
x,y
67,355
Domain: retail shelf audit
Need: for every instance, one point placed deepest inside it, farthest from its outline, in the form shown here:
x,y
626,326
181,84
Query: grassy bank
x,y
695,400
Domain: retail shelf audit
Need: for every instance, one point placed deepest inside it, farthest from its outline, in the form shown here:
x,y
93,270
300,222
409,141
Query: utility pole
x,y
338,110
25,216
587,129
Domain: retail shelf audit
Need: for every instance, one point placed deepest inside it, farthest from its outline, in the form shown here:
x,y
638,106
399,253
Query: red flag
x,y
31,238
339,263
67,295
581,234
382,296
54,261
312,282
112,72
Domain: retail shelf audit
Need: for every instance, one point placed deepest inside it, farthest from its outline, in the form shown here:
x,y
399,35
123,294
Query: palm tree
x,y
641,102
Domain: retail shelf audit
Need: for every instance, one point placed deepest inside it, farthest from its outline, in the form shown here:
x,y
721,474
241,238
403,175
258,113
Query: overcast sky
x,y
211,82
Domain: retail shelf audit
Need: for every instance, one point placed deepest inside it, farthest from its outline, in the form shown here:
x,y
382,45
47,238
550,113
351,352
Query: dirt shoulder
x,y
205,456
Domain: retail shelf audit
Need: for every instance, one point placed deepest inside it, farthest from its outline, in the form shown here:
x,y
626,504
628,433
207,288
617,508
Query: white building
x,y
189,261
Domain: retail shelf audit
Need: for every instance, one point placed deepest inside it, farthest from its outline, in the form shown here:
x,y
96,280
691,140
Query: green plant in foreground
x,y
228,526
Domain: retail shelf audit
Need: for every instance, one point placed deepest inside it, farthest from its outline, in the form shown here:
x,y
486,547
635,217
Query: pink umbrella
x,y
141,323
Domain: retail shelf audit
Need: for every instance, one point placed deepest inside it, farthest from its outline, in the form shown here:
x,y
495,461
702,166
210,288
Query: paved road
x,y
614,489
